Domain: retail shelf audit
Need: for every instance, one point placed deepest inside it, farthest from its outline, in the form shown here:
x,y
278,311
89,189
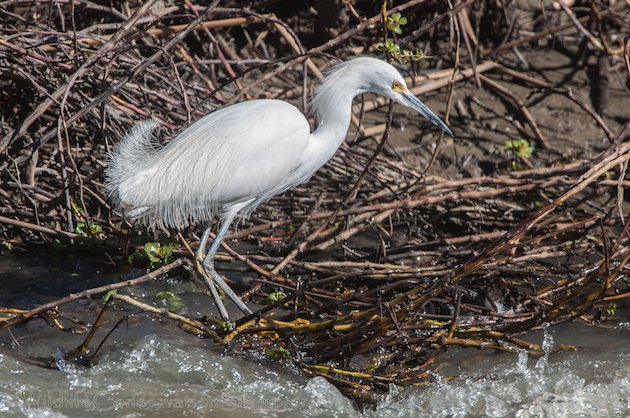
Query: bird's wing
x,y
244,151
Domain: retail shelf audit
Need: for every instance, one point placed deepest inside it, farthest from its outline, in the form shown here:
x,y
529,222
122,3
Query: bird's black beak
x,y
415,103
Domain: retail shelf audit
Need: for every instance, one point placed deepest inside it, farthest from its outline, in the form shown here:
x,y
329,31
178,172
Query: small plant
x,y
388,46
520,149
611,309
277,353
108,295
155,252
395,21
276,296
89,229
7,245
158,253
170,299
85,227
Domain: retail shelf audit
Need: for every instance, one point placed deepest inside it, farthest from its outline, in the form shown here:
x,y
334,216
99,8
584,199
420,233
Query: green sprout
x,y
159,253
156,253
520,148
277,353
388,46
169,298
403,56
276,296
395,21
611,309
88,229
85,227
108,295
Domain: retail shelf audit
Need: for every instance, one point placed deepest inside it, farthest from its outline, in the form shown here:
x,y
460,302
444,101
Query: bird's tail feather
x,y
140,143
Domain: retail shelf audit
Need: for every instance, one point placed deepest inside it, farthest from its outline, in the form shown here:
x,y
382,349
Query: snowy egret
x,y
234,159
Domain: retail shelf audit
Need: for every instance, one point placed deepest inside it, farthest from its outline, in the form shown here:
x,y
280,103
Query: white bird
x,y
232,160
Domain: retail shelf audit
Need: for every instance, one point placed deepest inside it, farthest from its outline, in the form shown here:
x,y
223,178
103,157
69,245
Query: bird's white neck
x,y
333,121
332,107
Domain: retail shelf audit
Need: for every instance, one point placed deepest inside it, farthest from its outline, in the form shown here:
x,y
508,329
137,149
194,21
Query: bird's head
x,y
382,78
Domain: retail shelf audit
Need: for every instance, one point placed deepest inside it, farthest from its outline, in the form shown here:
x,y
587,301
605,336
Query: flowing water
x,y
150,368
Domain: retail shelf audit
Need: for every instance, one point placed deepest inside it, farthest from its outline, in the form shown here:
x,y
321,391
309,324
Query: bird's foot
x,y
216,277
213,289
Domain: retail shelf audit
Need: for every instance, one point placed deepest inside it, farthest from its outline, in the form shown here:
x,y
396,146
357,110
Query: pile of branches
x,y
382,266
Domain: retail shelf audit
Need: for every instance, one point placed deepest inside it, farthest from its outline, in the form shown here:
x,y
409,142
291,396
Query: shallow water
x,y
149,368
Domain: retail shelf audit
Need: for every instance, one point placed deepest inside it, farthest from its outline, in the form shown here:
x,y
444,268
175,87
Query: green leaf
x,y
152,249
109,294
172,300
80,229
165,294
519,147
402,21
278,353
276,296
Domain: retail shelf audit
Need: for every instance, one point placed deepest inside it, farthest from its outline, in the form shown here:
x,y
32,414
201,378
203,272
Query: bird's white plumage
x,y
238,157
179,183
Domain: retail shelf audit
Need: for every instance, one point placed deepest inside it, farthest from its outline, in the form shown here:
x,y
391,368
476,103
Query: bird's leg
x,y
213,289
208,263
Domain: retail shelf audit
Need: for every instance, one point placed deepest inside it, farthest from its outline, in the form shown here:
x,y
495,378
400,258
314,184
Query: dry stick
x,y
169,30
542,142
388,209
220,47
569,94
41,58
546,32
513,237
464,30
618,154
626,54
193,323
431,24
90,292
64,89
42,229
450,91
579,25
524,77
369,22
331,43
137,69
432,199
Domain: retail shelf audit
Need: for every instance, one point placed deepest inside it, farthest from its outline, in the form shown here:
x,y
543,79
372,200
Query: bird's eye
x,y
396,86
